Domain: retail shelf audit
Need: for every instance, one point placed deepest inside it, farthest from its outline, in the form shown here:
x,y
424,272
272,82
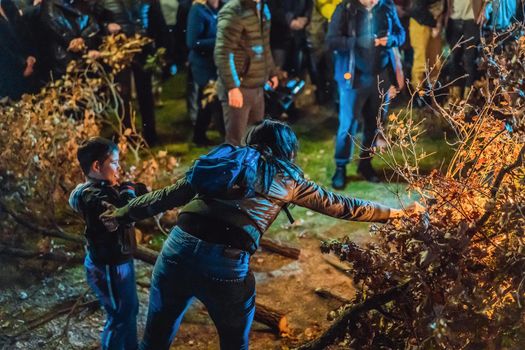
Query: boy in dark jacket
x,y
109,260
362,34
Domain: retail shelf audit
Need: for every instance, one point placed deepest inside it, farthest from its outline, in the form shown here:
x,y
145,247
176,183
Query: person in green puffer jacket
x,y
244,63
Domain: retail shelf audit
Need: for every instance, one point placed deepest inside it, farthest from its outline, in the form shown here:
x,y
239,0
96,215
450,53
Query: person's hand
x,y
109,217
295,24
436,31
76,45
303,21
37,2
274,82
412,209
114,28
30,62
93,54
235,98
482,18
381,41
392,92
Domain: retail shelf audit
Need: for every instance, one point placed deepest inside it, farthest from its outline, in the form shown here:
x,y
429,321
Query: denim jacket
x,y
351,33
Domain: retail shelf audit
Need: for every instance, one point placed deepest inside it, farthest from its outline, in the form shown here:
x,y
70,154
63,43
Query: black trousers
x,y
205,114
145,99
463,57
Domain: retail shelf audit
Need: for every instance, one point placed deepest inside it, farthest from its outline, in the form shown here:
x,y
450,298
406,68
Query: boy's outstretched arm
x,y
149,205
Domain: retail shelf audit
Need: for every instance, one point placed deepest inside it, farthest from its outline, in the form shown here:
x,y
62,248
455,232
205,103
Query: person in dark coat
x,y
17,59
200,39
133,17
68,33
288,37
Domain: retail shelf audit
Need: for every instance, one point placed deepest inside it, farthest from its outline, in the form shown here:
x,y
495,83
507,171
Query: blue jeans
x,y
215,274
365,102
115,288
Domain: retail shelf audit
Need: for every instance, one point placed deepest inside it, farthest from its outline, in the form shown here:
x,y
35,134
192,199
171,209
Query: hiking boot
x,y
339,178
366,170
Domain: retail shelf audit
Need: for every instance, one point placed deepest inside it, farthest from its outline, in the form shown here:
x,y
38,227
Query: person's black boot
x,y
339,178
365,170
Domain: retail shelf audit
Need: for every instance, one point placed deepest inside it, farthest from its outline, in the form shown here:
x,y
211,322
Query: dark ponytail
x,y
278,146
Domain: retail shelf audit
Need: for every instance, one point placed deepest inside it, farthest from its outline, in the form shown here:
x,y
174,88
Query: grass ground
x,y
316,130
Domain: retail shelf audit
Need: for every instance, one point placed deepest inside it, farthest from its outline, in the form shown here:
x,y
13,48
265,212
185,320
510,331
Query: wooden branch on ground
x,y
326,294
30,254
145,254
65,308
272,318
338,327
273,246
339,266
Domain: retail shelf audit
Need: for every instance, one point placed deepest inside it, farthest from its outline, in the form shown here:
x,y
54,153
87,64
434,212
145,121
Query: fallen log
x,y
338,327
65,308
273,246
326,294
272,318
30,254
145,254
339,266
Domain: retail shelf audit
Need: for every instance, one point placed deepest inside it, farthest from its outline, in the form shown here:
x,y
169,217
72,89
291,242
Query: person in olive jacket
x,y
244,62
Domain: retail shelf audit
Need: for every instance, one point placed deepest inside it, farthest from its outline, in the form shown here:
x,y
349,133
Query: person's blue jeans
x,y
115,288
362,102
215,274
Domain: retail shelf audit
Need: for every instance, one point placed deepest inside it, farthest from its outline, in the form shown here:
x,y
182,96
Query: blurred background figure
x,y
426,23
132,17
362,34
200,39
463,36
17,57
68,33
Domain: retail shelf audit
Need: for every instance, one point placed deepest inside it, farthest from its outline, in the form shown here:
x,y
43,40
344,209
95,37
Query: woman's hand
x,y
412,209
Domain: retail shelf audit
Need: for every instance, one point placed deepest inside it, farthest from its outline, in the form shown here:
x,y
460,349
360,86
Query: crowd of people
x,y
360,51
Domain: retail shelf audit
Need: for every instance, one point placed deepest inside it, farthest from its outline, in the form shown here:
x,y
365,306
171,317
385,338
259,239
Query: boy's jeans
x,y
215,274
116,290
363,101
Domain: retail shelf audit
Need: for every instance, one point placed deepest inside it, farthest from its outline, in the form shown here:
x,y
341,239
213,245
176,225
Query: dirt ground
x,y
284,284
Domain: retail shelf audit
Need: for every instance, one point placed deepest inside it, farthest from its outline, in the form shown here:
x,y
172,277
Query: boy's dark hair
x,y
96,148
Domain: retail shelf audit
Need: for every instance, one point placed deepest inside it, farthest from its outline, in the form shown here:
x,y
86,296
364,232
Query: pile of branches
x,y
40,135
460,265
